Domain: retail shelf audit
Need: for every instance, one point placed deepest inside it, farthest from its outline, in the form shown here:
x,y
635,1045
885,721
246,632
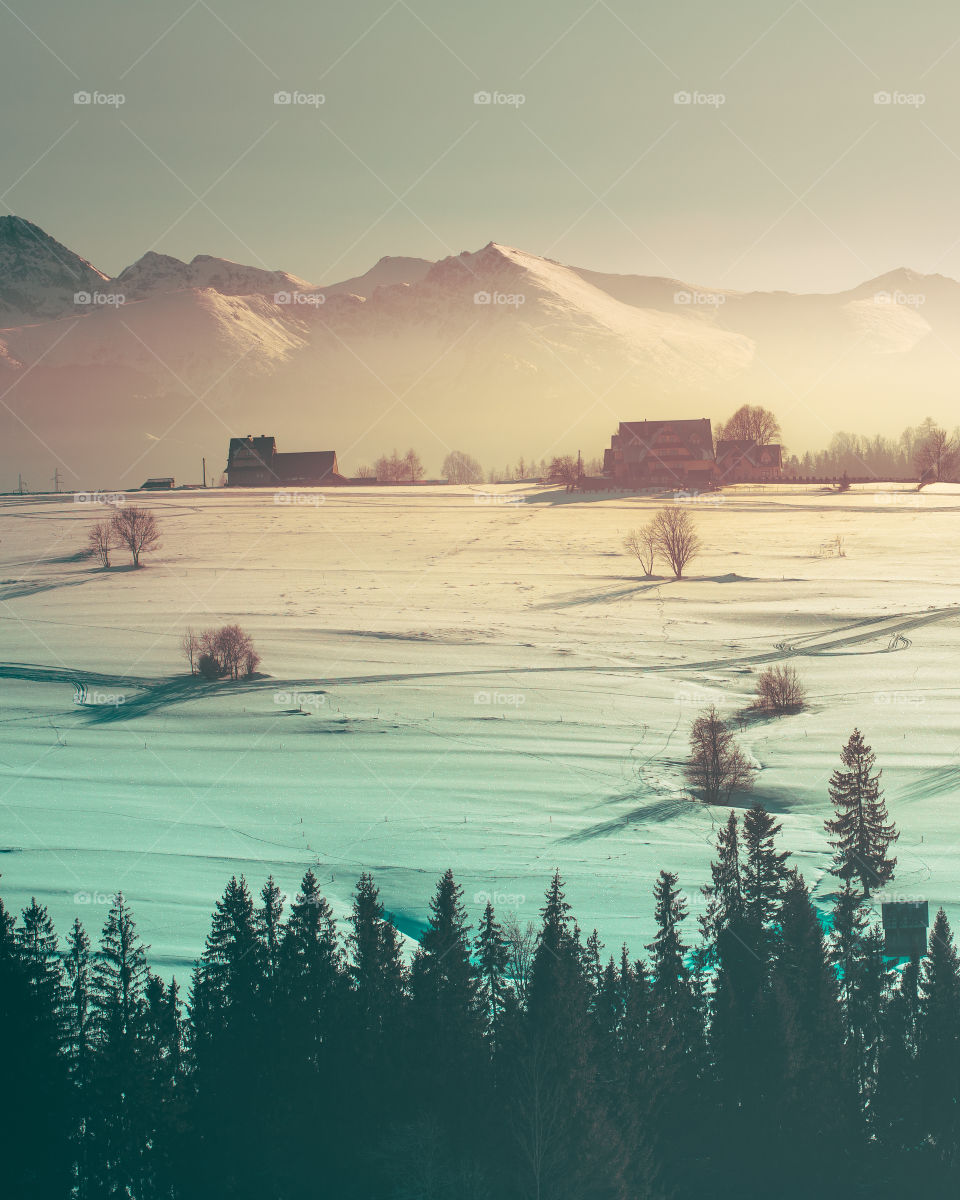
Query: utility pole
x,y
204,472
56,480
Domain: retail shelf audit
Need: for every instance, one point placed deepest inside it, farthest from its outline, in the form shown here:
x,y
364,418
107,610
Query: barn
x,y
256,462
673,454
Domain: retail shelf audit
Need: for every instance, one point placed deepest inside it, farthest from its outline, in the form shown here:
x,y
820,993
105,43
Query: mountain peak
x,y
38,276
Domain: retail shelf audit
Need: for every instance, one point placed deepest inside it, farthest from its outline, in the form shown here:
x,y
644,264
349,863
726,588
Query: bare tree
x,y
752,423
563,470
190,645
936,456
100,539
365,472
137,529
780,689
412,466
461,468
642,543
521,941
675,537
717,766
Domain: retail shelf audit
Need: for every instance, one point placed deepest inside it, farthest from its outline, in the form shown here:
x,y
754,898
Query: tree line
x,y
764,1056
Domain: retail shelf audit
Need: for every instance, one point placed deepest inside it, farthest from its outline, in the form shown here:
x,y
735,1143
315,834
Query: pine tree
x,y
898,1106
856,953
118,1125
861,830
764,870
724,894
938,1058
36,1105
805,997
231,1053
492,957
269,919
671,977
446,1018
80,1046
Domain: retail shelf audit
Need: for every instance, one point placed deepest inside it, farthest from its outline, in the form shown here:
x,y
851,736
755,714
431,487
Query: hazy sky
x,y
797,180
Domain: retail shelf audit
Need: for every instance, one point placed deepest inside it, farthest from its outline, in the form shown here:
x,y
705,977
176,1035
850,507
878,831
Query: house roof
x,y
731,452
307,464
641,437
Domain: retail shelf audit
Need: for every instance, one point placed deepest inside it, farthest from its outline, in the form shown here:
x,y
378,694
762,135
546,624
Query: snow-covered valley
x,y
475,678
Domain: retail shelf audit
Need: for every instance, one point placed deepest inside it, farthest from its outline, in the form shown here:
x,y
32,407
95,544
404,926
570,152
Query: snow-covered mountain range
x,y
498,352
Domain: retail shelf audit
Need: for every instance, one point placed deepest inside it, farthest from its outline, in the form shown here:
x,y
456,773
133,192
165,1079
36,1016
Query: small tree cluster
x,y
135,529
216,653
394,468
780,690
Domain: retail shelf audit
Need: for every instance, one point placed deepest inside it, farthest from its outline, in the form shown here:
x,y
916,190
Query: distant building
x,y
160,483
256,462
671,454
905,928
748,462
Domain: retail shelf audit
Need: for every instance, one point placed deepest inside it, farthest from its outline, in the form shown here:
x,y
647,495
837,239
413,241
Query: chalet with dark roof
x,y
748,462
669,454
256,462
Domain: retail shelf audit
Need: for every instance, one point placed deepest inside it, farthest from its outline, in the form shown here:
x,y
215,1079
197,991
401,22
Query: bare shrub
x,y
676,537
137,529
780,689
101,541
717,766
642,543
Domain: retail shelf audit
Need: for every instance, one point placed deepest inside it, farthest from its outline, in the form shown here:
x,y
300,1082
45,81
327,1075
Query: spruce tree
x,y
764,870
724,894
938,1058
119,1125
80,1046
446,1018
492,957
804,993
861,831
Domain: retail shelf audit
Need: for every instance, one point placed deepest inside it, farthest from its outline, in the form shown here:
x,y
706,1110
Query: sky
x,y
785,170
